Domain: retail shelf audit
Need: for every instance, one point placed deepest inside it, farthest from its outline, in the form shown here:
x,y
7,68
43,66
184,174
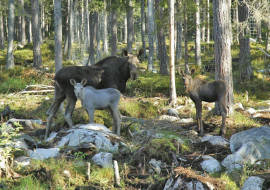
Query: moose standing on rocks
x,y
111,72
93,99
200,90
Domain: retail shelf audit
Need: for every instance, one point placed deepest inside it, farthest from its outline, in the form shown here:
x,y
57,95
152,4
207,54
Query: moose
x,y
100,99
201,90
110,72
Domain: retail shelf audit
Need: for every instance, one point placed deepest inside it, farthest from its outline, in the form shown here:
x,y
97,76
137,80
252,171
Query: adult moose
x,y
200,90
111,72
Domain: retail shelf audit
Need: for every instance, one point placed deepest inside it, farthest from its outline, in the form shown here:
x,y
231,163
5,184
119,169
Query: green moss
x,y
160,149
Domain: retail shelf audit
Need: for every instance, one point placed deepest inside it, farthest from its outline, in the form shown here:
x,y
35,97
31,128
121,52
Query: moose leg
x,y
71,102
223,111
199,117
91,115
59,97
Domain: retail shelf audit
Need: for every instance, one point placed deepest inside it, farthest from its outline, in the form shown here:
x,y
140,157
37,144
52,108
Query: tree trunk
x,y
86,22
98,32
2,34
11,17
42,20
105,34
125,29
244,46
114,31
36,34
222,38
22,26
198,35
179,40
268,36
162,50
58,35
129,25
70,30
92,40
186,38
173,99
203,23
208,22
143,29
151,34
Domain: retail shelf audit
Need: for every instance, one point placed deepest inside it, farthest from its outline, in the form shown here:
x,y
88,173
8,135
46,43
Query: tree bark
x,y
222,38
70,29
36,33
114,31
143,29
203,22
58,35
98,32
11,18
151,34
129,25
105,34
268,36
86,22
208,22
173,99
92,40
244,48
186,39
198,35
22,27
2,34
162,50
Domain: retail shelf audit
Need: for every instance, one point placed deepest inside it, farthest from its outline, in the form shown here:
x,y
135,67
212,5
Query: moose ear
x,y
140,52
124,53
192,71
83,82
72,82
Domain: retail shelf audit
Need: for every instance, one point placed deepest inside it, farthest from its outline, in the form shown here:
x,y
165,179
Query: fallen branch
x,y
268,55
35,91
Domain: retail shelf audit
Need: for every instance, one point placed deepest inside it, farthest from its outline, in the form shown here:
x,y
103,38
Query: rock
x,y
168,118
103,159
51,137
42,153
207,157
257,115
211,166
156,165
173,112
179,183
260,137
185,121
96,134
215,140
254,183
238,106
24,122
251,111
22,161
248,147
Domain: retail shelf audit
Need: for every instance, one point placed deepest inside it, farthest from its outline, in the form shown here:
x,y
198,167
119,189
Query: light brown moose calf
x,y
200,90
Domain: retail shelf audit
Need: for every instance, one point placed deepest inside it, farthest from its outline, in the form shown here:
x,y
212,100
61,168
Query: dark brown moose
x,y
111,72
200,90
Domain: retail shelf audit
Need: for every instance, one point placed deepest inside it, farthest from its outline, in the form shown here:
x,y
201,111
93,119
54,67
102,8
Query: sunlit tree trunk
x,y
186,39
58,35
143,29
22,24
203,22
36,33
129,25
2,34
11,17
198,35
86,22
42,20
151,34
173,99
208,22
222,38
244,48
268,36
105,34
162,50
98,32
70,30
114,31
